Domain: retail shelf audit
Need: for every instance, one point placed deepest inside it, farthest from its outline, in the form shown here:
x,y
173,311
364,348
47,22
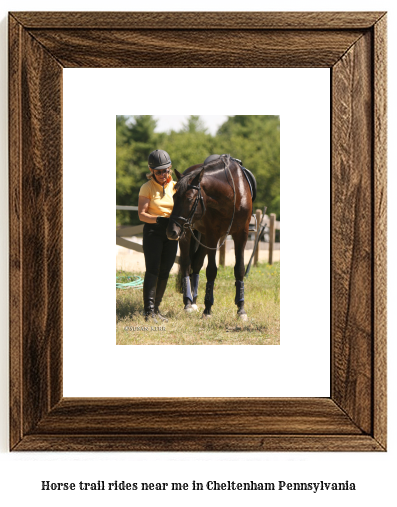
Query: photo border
x,y
353,46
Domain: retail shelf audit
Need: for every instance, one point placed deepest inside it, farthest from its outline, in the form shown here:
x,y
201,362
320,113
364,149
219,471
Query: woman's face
x,y
161,175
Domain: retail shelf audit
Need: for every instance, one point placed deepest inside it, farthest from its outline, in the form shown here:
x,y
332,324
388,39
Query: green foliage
x,y
135,139
254,139
194,124
187,148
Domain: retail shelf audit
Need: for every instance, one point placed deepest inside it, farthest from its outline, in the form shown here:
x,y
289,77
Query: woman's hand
x,y
163,221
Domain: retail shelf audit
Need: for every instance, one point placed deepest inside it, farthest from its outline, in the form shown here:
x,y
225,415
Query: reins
x,y
188,221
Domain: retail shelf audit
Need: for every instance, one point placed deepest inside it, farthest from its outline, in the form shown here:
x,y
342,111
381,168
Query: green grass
x,y
262,304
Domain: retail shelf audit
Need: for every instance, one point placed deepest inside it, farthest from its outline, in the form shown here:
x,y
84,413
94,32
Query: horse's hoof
x,y
188,309
243,316
195,307
206,316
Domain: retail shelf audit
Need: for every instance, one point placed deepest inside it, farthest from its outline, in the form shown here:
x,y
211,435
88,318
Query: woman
x,y
154,208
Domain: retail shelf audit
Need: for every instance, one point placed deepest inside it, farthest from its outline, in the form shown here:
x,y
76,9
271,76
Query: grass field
x,y
262,304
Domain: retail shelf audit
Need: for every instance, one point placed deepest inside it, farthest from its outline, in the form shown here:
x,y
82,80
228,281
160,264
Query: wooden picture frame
x,y
353,46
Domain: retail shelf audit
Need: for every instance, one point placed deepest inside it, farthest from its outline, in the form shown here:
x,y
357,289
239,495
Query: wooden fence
x,y
261,219
126,231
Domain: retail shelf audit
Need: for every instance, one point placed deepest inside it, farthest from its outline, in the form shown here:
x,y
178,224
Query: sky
x,y
166,123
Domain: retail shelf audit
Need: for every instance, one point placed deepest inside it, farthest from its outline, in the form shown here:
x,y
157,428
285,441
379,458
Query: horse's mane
x,y
187,178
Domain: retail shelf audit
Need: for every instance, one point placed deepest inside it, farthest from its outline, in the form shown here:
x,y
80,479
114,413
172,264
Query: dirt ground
x,y
129,260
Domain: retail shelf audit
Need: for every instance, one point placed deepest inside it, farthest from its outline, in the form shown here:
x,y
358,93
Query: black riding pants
x,y
159,251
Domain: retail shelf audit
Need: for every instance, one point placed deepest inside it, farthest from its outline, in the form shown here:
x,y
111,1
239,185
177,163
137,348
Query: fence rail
x,y
127,208
126,231
269,221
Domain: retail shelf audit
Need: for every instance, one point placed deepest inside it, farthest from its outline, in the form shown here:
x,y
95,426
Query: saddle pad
x,y
251,181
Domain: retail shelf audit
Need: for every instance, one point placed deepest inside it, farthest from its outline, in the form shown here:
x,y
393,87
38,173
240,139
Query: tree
x,y
255,139
135,139
194,124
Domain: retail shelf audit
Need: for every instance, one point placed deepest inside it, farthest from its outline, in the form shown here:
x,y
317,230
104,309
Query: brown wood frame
x,y
353,46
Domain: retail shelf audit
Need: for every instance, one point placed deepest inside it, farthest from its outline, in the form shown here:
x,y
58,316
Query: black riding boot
x,y
149,295
161,286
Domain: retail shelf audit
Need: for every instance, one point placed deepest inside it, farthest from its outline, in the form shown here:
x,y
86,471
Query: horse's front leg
x,y
197,264
211,273
184,264
240,240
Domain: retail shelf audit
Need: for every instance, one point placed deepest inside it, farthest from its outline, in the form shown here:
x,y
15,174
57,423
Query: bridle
x,y
188,222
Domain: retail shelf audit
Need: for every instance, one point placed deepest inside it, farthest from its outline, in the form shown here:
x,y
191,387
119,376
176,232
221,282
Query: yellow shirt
x,y
159,204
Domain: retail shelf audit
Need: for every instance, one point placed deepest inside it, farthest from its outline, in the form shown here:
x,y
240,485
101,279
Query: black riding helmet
x,y
159,159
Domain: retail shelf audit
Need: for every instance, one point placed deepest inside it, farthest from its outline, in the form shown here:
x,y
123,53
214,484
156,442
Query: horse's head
x,y
188,203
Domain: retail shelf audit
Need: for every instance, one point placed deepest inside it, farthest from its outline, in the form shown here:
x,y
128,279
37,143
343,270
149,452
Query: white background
x,y
93,365
20,474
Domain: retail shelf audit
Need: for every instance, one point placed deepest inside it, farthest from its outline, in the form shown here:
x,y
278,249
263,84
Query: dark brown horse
x,y
212,199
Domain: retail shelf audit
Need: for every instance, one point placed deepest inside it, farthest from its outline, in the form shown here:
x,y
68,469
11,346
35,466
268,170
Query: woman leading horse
x,y
154,208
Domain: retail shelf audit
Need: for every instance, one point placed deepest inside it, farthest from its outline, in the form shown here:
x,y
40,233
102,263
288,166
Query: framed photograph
x,y
353,46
